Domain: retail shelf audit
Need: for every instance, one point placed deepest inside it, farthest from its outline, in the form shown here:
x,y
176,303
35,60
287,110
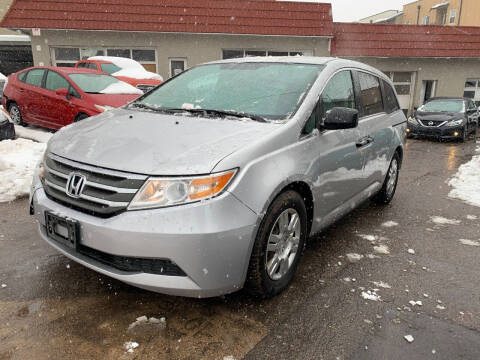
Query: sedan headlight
x,y
458,122
412,120
162,192
103,108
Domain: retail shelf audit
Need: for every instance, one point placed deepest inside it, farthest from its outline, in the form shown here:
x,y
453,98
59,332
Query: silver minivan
x,y
214,180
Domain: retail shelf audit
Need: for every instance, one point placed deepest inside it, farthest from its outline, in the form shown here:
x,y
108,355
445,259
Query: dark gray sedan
x,y
445,118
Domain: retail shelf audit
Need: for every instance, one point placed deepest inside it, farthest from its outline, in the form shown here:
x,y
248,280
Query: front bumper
x,y
210,242
7,131
444,132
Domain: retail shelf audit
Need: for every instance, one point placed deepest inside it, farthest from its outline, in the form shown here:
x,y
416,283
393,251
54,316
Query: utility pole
x,y
418,13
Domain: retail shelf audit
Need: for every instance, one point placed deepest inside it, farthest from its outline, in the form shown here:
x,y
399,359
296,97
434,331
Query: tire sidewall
x,y
20,120
389,197
287,200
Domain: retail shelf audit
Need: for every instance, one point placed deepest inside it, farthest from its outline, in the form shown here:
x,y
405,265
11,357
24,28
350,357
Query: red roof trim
x,y
261,17
382,40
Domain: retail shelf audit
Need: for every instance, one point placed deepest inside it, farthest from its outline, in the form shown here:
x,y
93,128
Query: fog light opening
x,y
408,130
455,133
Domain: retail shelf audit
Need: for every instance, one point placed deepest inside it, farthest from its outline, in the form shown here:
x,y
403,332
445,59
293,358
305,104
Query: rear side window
x,y
110,68
35,77
391,102
21,76
82,65
370,94
339,92
56,81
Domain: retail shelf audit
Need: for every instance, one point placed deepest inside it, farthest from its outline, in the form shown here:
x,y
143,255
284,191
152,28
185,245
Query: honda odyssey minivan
x,y
215,180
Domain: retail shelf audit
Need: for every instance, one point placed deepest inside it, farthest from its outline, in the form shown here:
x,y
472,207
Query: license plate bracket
x,y
62,230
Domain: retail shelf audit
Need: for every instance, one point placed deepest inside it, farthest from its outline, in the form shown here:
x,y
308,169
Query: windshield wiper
x,y
224,112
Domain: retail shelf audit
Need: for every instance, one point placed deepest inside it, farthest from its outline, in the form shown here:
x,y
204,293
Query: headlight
x,y
455,122
162,192
103,108
412,121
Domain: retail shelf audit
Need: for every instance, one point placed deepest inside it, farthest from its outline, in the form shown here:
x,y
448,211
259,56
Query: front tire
x,y
80,117
278,247
464,137
16,114
389,187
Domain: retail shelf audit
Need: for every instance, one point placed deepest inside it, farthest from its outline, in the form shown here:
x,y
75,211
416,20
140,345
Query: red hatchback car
x,y
54,97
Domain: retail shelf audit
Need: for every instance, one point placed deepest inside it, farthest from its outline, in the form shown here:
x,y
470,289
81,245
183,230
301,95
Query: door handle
x,y
364,141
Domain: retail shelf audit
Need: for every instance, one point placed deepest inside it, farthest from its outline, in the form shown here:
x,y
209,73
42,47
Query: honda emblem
x,y
75,184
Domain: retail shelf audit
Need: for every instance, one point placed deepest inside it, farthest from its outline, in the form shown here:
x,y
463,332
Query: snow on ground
x,y
469,242
472,217
371,295
18,159
466,182
381,284
368,237
32,133
381,249
130,346
444,221
409,338
353,257
389,224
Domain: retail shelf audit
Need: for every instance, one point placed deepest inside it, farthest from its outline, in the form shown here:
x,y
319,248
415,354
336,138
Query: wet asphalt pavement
x,y
54,308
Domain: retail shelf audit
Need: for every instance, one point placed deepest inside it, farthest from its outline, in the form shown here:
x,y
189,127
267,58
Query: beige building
x,y
385,17
442,12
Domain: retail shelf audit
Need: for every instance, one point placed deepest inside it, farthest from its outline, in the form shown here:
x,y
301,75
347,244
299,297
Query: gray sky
x,y
352,10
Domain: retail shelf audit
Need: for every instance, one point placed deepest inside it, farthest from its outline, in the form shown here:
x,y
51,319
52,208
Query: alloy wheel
x,y
15,115
283,243
392,177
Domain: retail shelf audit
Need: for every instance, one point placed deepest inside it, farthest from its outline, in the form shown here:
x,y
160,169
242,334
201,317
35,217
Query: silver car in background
x,y
214,180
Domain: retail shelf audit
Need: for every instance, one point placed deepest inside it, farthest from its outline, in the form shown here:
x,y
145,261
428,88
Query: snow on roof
x,y
440,5
388,18
14,38
130,68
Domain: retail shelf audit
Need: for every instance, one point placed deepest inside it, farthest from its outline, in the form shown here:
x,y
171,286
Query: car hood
x,y
438,116
114,100
155,144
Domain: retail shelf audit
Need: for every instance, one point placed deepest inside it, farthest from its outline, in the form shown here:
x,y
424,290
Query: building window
x,y
63,56
177,66
426,20
239,53
402,81
472,90
453,15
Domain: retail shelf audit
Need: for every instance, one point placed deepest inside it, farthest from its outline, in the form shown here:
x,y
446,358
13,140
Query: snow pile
x,y
381,284
381,249
353,257
466,182
409,338
389,224
130,346
371,295
121,87
143,320
444,221
130,68
18,159
469,242
39,135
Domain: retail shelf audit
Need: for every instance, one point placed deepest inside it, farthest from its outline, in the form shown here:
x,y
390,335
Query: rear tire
x,y
389,187
81,117
16,114
278,246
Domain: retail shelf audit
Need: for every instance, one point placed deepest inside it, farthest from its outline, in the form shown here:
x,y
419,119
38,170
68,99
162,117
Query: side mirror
x,y
62,92
340,118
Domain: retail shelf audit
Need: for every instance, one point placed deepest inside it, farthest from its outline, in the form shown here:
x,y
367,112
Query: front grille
x,y
106,192
431,123
131,264
145,88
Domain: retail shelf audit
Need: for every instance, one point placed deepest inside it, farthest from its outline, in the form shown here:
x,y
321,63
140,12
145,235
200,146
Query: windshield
x,y
270,90
110,68
102,84
455,106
